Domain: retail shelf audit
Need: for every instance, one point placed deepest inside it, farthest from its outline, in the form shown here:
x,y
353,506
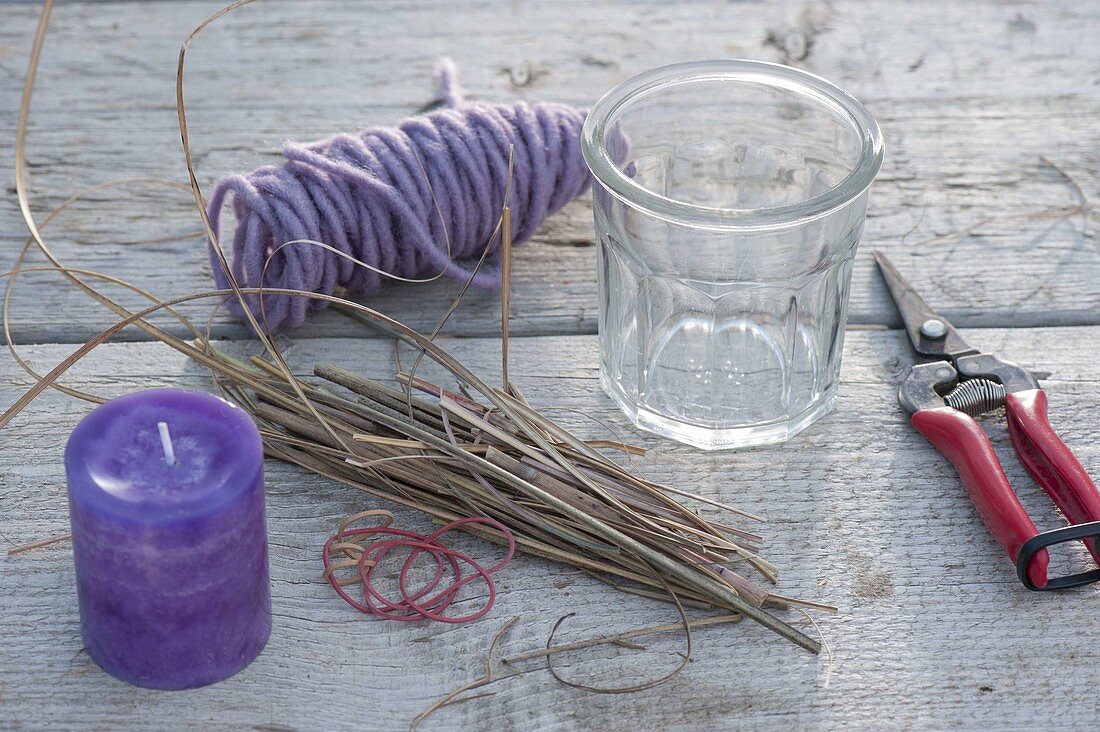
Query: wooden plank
x,y
967,117
933,630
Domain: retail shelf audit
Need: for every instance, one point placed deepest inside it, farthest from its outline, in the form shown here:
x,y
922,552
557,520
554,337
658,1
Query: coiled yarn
x,y
395,197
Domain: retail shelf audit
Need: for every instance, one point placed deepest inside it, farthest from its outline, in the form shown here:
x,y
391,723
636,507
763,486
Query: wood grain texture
x,y
970,96
933,632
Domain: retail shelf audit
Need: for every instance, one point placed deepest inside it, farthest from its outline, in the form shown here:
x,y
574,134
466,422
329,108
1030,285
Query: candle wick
x,y
166,443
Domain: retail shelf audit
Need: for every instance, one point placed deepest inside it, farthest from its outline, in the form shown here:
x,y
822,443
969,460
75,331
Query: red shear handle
x,y
961,440
1049,461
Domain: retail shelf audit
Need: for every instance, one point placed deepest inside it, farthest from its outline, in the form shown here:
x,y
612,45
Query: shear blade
x,y
915,313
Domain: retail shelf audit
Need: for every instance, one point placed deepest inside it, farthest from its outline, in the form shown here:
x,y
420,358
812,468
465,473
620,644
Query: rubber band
x,y
363,560
434,612
384,545
362,549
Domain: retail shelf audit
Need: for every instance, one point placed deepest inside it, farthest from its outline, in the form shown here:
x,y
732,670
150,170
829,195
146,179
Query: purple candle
x,y
166,500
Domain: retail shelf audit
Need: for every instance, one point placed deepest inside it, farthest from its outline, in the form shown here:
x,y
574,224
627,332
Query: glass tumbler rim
x,y
795,81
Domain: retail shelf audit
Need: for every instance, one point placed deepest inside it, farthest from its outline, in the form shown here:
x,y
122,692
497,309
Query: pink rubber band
x,y
415,605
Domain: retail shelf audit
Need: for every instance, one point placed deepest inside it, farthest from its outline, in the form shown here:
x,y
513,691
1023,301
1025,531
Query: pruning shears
x,y
945,395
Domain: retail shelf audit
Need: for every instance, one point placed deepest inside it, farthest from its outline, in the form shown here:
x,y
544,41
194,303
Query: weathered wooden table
x,y
933,630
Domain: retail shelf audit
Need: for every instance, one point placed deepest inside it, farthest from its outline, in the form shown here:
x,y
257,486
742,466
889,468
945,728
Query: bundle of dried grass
x,y
452,456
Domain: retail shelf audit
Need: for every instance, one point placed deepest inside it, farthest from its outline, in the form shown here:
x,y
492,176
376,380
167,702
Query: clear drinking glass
x,y
730,199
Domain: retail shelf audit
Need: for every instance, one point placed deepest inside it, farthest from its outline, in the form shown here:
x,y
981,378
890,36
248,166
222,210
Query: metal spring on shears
x,y
976,397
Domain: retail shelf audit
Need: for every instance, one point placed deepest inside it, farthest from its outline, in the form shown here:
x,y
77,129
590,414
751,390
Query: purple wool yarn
x,y
394,197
